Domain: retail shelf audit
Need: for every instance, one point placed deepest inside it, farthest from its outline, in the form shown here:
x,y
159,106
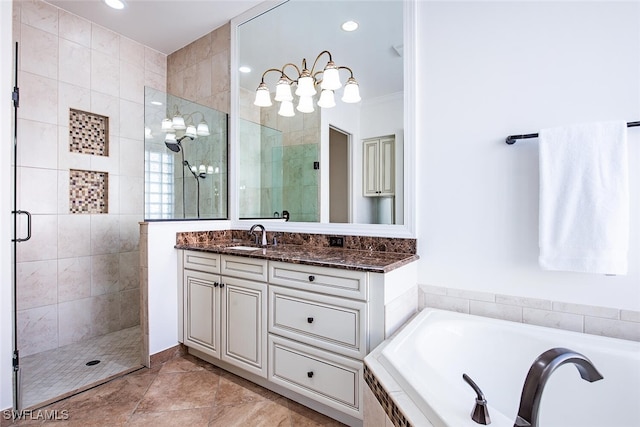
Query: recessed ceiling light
x,y
244,69
156,102
115,4
350,26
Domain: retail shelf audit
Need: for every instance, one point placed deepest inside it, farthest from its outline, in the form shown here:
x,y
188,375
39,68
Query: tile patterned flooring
x,y
62,371
184,391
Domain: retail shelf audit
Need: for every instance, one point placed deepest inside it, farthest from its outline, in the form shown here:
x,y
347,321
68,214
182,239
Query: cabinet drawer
x,y
333,281
244,267
332,323
202,261
322,376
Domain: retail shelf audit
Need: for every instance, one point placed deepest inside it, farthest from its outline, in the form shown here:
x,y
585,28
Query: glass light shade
x,y
170,138
191,132
283,91
147,133
194,169
178,122
209,170
331,77
305,104
167,125
351,93
286,109
263,97
202,169
203,129
327,100
305,86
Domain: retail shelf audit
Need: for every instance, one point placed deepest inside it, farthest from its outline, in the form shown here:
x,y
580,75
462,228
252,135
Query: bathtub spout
x,y
539,373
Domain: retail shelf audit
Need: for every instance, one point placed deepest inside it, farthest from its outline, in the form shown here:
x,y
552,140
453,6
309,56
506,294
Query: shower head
x,y
173,146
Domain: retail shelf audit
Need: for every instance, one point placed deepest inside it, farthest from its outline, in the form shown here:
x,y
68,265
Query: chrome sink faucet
x,y
259,239
539,373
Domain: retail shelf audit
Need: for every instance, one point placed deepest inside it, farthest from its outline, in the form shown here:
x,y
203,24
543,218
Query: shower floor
x,y
55,374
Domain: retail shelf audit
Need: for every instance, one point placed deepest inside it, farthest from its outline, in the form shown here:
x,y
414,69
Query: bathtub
x,y
422,367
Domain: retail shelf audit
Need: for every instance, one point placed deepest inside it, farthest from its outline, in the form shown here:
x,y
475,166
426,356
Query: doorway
x,y
339,176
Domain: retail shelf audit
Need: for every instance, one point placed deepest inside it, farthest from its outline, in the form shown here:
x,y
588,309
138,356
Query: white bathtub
x,y
429,355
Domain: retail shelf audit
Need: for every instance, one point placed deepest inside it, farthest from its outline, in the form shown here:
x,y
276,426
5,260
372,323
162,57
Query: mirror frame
x,y
406,230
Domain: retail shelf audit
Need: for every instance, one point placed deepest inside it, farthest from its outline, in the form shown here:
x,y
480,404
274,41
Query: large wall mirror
x,y
327,169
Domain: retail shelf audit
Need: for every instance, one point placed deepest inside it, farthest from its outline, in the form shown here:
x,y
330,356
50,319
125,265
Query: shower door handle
x,y
28,214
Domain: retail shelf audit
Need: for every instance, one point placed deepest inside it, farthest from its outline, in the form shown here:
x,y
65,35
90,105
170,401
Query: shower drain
x,y
92,362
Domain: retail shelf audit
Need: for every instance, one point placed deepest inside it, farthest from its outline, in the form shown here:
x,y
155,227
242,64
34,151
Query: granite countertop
x,y
348,259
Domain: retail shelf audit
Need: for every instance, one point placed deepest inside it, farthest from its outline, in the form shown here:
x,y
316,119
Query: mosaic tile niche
x,y
88,133
88,192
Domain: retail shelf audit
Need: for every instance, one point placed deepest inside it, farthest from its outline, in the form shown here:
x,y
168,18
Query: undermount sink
x,y
244,248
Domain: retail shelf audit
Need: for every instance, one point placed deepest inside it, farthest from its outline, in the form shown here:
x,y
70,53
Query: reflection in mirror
x,y
291,162
185,159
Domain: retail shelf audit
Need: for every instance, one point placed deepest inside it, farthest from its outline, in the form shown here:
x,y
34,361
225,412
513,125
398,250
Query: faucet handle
x,y
480,412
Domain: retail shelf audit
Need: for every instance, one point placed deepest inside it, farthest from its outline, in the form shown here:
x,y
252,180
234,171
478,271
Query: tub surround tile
x,y
612,328
472,295
398,311
587,310
496,311
443,302
554,314
385,399
524,302
630,315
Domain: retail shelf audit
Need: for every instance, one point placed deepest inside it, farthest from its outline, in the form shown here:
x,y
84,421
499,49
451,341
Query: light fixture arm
x,y
316,61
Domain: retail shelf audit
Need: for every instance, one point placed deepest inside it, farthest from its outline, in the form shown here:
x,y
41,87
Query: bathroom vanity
x,y
296,321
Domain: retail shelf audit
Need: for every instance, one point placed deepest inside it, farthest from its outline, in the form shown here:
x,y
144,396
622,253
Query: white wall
x,y
488,70
6,142
163,274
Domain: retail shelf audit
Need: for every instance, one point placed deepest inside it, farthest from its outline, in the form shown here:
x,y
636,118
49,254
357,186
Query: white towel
x,y
584,198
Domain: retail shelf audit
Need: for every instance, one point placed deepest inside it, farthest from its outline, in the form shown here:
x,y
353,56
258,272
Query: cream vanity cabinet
x,y
300,330
225,308
379,166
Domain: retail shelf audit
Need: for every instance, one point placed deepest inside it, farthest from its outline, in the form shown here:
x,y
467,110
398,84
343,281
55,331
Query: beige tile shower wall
x,y
200,71
610,322
78,275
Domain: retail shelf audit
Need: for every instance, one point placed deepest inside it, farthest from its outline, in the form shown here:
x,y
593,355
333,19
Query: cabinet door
x,y
244,334
370,168
387,167
202,312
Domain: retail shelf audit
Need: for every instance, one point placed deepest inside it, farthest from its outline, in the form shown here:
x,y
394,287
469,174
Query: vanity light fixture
x,y
306,82
244,69
115,4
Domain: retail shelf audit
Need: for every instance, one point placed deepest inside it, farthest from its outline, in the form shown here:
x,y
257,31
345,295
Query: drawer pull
x,y
312,278
309,319
215,284
310,374
222,285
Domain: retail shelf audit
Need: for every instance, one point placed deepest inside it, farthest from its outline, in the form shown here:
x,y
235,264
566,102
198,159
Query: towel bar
x,y
511,139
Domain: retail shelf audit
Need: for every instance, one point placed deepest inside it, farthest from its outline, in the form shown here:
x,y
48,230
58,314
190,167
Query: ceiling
x,y
293,31
164,25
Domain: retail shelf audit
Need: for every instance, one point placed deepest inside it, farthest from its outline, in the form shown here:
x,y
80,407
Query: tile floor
x,y
184,391
62,371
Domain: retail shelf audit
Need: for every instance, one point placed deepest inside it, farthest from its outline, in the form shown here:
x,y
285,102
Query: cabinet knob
x,y
222,285
310,374
215,284
309,319
312,278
